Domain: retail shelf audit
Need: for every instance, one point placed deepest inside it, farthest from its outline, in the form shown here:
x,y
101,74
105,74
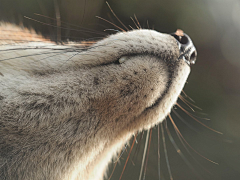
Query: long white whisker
x,y
144,154
165,151
159,172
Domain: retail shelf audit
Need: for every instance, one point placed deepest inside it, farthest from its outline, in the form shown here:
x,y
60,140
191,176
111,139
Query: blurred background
x,y
214,83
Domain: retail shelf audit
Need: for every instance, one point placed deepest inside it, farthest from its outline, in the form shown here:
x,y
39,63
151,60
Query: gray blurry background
x,y
214,83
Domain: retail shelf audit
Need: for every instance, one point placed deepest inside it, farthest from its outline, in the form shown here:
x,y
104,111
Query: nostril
x,y
186,48
184,40
181,39
193,57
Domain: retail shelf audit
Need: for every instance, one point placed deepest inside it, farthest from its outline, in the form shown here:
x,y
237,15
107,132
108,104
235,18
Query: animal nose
x,y
186,47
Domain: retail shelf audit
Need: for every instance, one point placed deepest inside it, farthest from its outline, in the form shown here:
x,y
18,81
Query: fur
x,y
66,110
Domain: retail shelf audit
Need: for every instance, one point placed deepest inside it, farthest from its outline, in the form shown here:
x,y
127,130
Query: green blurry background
x,y
214,83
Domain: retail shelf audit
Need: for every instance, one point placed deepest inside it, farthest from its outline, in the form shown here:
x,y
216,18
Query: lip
x,y
187,50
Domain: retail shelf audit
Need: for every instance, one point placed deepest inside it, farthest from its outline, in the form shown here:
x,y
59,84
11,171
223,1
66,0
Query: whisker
x,y
186,107
128,157
178,149
111,23
84,10
35,54
116,16
183,157
70,58
134,22
63,22
65,25
119,156
187,102
17,41
184,121
183,142
111,30
65,50
138,147
58,20
148,25
137,21
165,151
197,119
159,162
144,154
187,96
190,126
131,27
145,170
78,30
56,54
178,132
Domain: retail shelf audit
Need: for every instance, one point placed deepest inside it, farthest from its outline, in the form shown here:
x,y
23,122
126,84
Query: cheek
x,y
135,86
148,81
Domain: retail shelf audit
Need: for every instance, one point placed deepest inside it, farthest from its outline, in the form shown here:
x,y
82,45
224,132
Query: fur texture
x,y
65,111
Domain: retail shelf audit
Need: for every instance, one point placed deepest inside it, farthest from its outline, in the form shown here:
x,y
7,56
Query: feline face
x,y
149,73
83,105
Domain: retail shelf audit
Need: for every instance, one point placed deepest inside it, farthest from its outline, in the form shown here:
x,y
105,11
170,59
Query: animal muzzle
x,y
187,50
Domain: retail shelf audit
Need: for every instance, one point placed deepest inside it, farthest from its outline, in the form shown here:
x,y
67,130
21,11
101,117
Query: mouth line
x,y
169,83
184,56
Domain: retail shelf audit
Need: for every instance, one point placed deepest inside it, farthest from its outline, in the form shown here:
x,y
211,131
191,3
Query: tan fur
x,y
65,111
15,34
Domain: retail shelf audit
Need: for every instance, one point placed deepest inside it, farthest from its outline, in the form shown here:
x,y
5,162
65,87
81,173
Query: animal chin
x,y
179,73
188,54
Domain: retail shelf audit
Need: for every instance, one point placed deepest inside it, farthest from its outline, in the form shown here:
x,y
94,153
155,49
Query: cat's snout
x,y
187,50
